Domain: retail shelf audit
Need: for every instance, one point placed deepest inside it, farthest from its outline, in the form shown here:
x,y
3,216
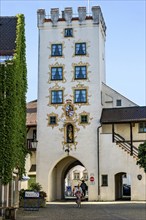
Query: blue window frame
x,y
56,73
56,50
80,96
56,96
80,49
80,72
68,32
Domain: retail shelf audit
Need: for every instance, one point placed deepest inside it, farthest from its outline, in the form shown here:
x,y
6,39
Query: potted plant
x,y
34,187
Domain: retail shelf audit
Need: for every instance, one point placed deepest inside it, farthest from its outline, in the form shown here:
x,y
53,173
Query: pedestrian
x,y
78,193
84,187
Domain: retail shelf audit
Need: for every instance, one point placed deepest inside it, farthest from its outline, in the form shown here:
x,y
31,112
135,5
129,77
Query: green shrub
x,y
35,187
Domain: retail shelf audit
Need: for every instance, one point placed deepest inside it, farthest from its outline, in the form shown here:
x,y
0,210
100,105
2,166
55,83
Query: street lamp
x,y
34,144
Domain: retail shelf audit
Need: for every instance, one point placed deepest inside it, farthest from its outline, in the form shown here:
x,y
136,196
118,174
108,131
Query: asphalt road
x,y
88,211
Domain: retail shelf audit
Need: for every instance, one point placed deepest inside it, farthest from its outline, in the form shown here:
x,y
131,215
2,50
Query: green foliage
x,y
35,187
13,88
31,180
142,156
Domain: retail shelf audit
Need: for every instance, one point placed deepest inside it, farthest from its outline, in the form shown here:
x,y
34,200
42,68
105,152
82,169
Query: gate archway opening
x,y
122,186
57,183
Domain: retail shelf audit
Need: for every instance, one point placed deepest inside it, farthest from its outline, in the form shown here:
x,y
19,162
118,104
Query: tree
x,y
142,156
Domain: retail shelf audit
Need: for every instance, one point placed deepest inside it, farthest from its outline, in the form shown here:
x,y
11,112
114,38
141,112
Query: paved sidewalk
x,y
88,211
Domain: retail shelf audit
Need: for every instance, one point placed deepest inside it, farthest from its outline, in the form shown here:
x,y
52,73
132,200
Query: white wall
x,y
109,97
114,160
50,140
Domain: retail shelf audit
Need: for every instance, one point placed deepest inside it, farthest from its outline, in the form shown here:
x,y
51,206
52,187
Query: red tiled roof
x,y
31,118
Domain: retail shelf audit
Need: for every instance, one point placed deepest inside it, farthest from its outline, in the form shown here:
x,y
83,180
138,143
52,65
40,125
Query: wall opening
x,y
122,186
65,175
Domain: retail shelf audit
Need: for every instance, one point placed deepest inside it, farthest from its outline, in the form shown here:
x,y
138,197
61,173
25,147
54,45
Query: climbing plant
x,y
13,88
142,156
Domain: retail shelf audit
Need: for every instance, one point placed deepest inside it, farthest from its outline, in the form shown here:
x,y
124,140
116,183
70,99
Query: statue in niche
x,y
69,129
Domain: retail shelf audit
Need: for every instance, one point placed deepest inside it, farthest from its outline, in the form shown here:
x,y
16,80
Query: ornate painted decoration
x,y
52,123
69,119
69,109
80,64
63,72
88,122
56,88
50,46
87,46
81,87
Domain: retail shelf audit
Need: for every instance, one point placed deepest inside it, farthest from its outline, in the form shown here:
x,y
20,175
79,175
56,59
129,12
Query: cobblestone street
x,y
88,211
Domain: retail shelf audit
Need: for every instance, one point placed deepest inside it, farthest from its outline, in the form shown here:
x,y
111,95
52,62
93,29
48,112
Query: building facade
x,y
76,111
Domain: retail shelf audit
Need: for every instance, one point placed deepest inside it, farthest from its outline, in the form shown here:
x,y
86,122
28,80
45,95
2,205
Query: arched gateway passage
x,y
56,179
122,186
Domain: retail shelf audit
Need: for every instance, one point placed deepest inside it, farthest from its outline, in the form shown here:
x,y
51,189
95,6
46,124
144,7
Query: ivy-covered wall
x,y
13,88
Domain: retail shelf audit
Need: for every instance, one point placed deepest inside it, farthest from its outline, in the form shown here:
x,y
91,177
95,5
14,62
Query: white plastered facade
x,y
98,154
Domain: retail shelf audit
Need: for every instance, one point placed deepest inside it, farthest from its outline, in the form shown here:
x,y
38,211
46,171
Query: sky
x,y
125,41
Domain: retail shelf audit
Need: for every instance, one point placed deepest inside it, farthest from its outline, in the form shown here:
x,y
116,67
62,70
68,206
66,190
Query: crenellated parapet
x,y
98,17
54,16
40,17
68,16
82,14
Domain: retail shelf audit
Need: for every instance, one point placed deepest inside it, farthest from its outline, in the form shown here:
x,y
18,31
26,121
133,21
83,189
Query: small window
x,y
142,127
80,72
84,119
80,96
104,180
56,50
76,176
56,73
57,97
118,102
68,32
80,49
85,176
52,120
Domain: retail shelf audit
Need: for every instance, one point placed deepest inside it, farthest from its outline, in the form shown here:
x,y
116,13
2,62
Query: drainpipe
x,y
131,139
98,160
